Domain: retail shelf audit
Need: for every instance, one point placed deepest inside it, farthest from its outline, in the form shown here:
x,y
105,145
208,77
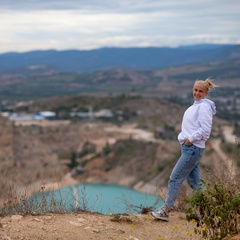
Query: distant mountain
x,y
116,58
36,81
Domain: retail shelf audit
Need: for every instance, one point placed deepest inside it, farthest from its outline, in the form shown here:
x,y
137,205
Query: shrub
x,y
216,209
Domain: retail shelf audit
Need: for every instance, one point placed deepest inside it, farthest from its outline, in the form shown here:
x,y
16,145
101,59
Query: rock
x,y
75,224
16,217
132,238
93,229
81,219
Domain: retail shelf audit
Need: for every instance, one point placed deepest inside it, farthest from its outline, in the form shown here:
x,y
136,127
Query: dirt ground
x,y
86,226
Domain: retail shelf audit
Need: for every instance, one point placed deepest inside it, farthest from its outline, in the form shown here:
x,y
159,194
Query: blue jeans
x,y
187,167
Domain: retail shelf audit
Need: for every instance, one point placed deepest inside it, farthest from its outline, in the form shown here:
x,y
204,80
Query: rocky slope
x,y
36,153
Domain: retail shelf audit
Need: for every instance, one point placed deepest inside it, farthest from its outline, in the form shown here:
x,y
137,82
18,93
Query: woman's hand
x,y
187,142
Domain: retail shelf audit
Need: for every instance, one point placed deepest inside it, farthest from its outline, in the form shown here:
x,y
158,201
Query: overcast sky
x,y
27,25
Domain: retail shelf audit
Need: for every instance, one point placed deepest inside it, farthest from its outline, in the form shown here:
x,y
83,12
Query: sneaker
x,y
160,214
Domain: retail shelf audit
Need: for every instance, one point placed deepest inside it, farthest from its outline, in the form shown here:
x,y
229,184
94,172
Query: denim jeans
x,y
187,167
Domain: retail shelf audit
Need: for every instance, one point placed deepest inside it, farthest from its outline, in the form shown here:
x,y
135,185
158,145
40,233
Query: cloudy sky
x,y
27,25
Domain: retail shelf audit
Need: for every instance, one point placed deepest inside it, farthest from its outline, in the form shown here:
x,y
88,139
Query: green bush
x,y
216,210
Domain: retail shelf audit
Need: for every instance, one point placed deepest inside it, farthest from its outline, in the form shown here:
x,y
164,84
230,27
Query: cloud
x,y
88,24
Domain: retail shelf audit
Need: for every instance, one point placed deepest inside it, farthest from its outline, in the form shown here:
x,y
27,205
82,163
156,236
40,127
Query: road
x,y
228,163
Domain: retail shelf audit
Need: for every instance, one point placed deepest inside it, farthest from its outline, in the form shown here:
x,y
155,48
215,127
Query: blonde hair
x,y
208,84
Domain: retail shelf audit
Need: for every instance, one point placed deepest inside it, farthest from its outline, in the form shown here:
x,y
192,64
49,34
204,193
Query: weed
x,y
216,209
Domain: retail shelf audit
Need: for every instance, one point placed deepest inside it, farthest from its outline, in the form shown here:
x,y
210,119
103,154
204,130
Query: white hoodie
x,y
197,122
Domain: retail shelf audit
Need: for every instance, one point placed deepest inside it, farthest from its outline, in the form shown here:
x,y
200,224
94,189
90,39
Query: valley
x,y
115,124
137,150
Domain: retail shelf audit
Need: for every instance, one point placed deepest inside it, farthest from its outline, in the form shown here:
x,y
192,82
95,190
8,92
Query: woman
x,y
196,129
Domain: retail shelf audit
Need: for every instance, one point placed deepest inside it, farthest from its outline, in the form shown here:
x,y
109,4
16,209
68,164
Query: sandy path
x,y
224,162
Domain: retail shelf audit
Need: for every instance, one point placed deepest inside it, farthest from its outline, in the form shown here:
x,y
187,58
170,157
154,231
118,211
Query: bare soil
x,y
86,226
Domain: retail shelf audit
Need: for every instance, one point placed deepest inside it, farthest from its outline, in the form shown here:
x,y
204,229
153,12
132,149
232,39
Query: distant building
x,y
45,115
104,113
20,117
29,117
81,114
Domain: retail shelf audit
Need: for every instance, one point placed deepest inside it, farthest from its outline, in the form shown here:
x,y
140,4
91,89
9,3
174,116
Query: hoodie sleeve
x,y
205,117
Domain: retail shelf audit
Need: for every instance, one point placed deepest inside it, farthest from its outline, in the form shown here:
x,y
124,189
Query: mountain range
x,y
116,58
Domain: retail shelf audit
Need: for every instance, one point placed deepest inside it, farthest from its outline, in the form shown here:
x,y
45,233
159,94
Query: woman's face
x,y
199,91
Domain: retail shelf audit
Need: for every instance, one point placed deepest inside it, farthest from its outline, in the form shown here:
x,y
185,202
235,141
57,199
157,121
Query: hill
x,y
122,149
36,155
40,150
120,58
136,147
35,83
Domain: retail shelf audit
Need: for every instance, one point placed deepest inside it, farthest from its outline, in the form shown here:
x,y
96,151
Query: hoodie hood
x,y
210,103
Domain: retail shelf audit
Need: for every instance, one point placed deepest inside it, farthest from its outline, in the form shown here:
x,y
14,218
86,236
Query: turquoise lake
x,y
101,198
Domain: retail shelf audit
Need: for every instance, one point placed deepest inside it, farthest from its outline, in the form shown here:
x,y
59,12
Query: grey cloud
x,y
116,23
121,5
199,10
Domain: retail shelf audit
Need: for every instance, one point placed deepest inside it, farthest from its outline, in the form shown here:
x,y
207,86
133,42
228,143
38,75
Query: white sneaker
x,y
160,214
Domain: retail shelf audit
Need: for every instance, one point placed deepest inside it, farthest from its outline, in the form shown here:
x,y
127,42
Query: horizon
x,y
110,47
90,24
